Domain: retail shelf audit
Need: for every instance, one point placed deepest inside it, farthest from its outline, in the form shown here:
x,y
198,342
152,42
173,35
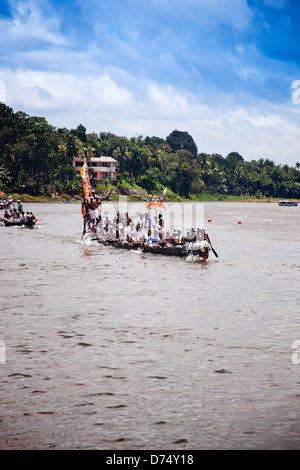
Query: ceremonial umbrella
x,y
156,205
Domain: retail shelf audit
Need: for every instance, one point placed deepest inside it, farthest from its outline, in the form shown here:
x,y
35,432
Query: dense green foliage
x,y
37,157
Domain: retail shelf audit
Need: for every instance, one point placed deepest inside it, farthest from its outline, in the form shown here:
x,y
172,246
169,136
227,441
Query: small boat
x,y
150,198
5,204
18,222
288,203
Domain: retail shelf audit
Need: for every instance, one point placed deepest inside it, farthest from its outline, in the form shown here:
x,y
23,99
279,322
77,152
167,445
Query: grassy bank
x,y
42,198
136,198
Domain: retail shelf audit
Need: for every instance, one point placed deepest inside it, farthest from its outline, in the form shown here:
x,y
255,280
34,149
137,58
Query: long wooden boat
x,y
18,223
182,250
288,203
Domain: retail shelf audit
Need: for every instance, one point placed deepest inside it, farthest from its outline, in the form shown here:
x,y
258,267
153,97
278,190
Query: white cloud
x,y
29,23
235,13
147,108
2,91
275,3
113,84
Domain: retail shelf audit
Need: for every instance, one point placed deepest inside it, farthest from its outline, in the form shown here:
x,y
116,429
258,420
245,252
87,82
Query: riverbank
x,y
27,198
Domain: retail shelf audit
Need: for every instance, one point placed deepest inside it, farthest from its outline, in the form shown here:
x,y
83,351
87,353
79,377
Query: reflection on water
x,y
109,349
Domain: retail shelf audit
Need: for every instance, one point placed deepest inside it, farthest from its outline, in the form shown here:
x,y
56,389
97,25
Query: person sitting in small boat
x,y
7,215
22,217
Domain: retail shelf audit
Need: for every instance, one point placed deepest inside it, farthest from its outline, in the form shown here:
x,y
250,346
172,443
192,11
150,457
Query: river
x,y
103,348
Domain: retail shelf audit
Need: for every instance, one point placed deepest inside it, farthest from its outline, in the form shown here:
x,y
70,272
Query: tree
x,y
179,140
123,155
5,177
234,158
80,132
89,151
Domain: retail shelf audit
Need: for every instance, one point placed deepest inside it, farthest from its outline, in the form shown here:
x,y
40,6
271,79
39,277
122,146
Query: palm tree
x,y
89,151
122,154
4,176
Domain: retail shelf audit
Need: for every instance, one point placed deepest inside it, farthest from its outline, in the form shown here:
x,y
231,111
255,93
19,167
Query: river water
x,y
103,348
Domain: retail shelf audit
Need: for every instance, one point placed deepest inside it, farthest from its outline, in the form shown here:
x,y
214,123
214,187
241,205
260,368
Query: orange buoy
x,y
239,222
209,220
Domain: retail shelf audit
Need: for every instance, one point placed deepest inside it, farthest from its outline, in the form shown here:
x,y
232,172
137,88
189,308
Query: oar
x,y
83,233
214,251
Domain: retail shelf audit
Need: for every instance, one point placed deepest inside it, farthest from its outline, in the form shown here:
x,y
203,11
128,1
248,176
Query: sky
x,y
225,71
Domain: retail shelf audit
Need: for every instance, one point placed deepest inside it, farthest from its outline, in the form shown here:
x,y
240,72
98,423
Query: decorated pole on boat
x,y
85,192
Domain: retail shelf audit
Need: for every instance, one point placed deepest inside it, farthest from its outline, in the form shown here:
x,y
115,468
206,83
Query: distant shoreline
x,y
66,198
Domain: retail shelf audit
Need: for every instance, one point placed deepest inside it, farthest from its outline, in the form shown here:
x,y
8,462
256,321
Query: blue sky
x,y
226,71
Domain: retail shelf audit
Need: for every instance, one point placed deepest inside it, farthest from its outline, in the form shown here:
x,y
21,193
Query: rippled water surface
x,y
112,349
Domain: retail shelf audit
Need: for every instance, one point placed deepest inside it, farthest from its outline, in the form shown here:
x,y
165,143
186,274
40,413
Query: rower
x,y
20,206
117,221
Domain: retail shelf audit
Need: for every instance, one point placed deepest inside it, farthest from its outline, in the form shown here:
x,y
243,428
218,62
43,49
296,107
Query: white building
x,y
104,167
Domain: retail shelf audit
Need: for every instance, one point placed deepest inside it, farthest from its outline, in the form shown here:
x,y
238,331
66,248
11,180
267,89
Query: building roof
x,y
104,158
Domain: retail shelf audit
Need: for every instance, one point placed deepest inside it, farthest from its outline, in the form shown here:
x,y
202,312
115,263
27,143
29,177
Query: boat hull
x,y
180,251
24,223
288,203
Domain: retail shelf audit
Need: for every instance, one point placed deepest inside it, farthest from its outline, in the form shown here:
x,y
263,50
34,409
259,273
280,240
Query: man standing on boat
x,y
20,206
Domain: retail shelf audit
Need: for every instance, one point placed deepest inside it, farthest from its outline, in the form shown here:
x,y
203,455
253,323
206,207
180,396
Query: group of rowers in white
x,y
144,231
18,215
